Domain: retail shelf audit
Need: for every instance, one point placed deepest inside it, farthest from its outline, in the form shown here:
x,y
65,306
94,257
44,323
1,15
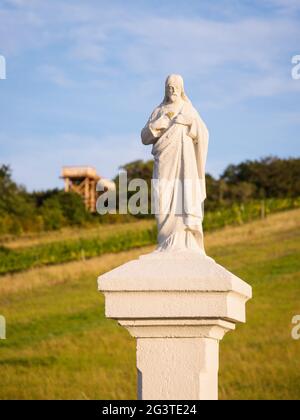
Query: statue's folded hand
x,y
161,123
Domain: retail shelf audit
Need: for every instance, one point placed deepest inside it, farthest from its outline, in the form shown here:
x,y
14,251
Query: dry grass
x,y
65,273
254,230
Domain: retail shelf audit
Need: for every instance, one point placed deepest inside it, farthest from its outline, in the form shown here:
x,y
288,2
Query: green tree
x,y
65,209
137,169
17,211
52,214
271,176
73,208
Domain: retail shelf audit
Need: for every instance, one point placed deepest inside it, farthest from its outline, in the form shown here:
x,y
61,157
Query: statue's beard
x,y
173,97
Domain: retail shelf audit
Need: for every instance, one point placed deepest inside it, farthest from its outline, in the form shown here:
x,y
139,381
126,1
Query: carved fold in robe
x,y
179,179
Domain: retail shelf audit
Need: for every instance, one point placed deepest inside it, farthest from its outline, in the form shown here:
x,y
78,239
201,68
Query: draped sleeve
x,y
149,135
201,138
199,133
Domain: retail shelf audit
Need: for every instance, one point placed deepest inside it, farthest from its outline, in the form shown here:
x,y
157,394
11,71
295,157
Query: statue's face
x,y
173,90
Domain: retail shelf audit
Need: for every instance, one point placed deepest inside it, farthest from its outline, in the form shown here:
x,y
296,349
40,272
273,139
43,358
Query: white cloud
x,y
148,45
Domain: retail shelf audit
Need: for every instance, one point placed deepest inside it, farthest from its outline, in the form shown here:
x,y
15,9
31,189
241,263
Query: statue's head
x,y
174,88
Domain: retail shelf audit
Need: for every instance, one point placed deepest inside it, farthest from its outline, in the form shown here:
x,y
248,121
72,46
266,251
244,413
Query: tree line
x,y
269,177
22,211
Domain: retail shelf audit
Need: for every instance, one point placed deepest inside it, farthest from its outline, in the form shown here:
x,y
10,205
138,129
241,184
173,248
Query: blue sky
x,y
83,77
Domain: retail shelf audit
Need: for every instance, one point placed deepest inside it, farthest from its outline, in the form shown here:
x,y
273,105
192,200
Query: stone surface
x,y
174,285
177,369
178,305
179,139
177,328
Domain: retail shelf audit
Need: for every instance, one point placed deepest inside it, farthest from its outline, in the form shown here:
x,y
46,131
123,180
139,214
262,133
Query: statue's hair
x,y
180,80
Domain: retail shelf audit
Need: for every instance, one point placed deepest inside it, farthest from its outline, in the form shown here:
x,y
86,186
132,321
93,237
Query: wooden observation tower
x,y
83,181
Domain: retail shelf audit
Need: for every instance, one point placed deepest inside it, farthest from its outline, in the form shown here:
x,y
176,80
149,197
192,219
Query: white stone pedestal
x,y
178,305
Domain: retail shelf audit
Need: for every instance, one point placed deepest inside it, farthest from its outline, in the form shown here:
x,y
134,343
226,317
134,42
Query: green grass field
x,y
60,346
74,244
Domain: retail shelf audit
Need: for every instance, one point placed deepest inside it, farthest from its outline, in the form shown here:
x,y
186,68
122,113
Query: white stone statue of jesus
x,y
180,141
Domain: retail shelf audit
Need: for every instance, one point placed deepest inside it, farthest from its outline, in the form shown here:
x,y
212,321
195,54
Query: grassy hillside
x,y
20,254
59,344
103,231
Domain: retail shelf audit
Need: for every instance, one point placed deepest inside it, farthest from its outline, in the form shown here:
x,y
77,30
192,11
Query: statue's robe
x,y
179,178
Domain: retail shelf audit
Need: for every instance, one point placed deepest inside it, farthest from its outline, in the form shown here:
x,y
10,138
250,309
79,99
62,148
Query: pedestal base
x,y
177,368
178,306
178,359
